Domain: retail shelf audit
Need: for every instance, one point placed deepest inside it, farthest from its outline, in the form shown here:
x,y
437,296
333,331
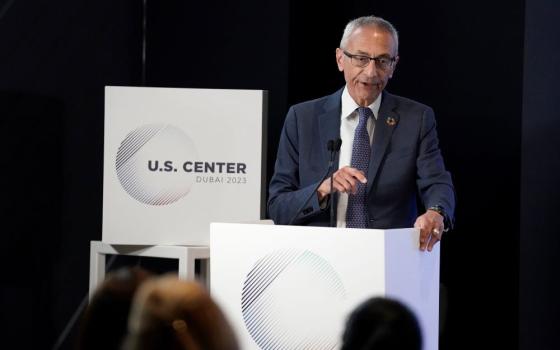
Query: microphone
x,y
336,147
337,143
330,146
333,146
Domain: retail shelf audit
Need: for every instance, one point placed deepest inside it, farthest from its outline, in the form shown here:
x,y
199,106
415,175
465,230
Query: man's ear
x,y
340,59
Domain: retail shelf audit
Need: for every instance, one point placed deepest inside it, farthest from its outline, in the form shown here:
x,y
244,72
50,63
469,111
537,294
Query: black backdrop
x,y
487,68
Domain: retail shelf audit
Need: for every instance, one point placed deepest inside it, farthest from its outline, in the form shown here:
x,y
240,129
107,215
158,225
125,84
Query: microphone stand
x,y
336,148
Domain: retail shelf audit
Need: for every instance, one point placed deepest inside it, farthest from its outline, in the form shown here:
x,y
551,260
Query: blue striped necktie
x,y
356,212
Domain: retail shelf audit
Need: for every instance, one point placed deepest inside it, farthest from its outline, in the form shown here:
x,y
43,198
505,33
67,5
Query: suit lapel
x,y
329,129
387,121
329,124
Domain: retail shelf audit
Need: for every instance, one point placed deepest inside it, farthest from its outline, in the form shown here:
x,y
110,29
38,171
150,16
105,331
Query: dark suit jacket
x,y
406,167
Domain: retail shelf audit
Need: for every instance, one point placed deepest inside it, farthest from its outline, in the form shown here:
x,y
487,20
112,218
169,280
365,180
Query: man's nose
x,y
371,70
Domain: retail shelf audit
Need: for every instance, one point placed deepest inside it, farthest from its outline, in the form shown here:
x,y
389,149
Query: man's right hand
x,y
345,180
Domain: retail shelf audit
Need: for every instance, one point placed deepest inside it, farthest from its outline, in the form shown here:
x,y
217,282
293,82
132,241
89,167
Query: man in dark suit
x,y
389,160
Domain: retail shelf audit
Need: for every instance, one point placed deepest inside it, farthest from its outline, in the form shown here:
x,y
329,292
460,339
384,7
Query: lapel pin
x,y
391,121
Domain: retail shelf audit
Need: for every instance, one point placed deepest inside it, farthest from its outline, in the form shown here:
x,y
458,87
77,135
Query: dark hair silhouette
x,y
105,320
168,313
382,324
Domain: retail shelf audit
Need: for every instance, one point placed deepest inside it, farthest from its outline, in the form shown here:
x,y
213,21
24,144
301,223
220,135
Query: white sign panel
x,y
177,159
288,287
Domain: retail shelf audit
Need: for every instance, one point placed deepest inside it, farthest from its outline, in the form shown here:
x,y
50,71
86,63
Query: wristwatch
x,y
439,209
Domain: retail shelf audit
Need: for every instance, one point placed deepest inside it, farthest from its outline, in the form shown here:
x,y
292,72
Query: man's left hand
x,y
431,229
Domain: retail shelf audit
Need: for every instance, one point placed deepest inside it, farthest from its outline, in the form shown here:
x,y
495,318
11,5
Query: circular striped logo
x,y
292,300
148,164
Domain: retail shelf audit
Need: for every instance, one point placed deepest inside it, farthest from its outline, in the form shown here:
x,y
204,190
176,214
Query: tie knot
x,y
364,113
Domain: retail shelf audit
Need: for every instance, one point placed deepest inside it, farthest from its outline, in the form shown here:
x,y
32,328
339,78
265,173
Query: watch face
x,y
437,208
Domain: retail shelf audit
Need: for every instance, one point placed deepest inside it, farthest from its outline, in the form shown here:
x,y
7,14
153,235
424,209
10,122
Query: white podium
x,y
292,287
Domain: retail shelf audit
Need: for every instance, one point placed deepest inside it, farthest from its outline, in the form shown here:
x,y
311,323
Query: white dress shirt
x,y
349,122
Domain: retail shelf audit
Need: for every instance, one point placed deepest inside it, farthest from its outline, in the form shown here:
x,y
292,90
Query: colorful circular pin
x,y
391,121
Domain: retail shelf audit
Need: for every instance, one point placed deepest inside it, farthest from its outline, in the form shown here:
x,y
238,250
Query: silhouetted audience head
x,y
105,320
382,324
168,313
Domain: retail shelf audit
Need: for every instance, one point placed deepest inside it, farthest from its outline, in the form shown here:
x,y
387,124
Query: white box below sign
x,y
177,159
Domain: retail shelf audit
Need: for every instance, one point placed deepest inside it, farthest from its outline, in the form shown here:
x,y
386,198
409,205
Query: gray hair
x,y
365,22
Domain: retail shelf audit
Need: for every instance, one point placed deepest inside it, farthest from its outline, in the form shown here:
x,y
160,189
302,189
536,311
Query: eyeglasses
x,y
381,62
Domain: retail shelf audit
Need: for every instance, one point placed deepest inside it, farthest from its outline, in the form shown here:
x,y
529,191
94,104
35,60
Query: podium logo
x,y
146,161
293,300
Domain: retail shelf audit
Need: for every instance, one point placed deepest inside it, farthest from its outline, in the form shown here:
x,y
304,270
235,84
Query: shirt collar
x,y
349,105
